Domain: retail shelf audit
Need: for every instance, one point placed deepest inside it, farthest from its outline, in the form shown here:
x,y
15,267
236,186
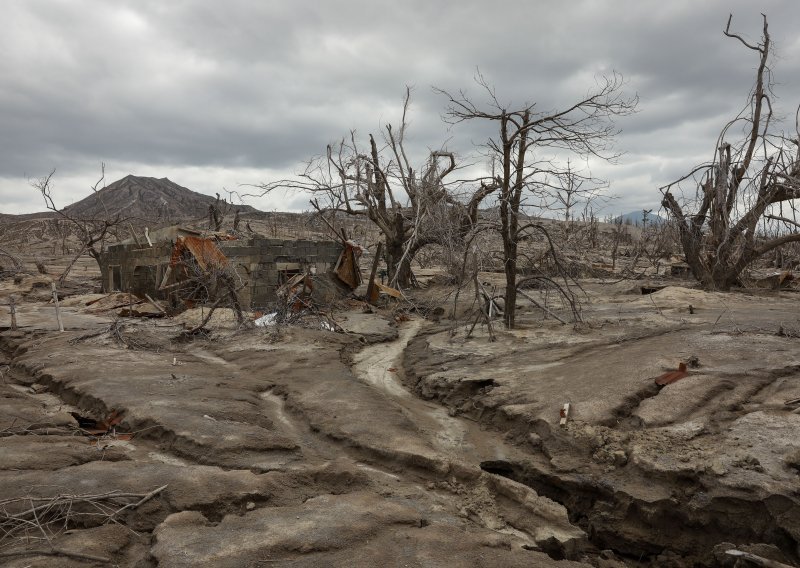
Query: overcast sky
x,y
215,94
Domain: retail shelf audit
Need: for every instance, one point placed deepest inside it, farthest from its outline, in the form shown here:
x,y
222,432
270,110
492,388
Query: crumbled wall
x,y
259,262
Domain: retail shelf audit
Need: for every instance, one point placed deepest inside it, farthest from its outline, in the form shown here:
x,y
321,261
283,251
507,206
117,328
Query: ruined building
x,y
158,268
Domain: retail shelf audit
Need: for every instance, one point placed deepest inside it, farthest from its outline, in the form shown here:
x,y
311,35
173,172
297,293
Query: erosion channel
x,y
400,444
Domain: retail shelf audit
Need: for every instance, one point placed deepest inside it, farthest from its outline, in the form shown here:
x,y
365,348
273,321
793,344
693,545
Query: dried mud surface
x,y
407,444
672,475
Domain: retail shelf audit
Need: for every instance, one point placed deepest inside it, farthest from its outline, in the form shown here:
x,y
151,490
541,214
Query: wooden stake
x,y
58,309
564,414
371,284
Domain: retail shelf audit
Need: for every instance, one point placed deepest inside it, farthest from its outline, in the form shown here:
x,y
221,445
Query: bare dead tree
x,y
40,267
217,211
755,178
380,184
14,262
645,217
525,154
656,244
483,306
214,283
573,188
91,232
618,232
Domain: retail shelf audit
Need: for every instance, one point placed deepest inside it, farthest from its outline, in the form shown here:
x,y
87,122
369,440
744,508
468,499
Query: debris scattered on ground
x,y
388,290
672,376
143,310
450,444
113,301
222,318
296,293
27,518
267,320
776,280
93,427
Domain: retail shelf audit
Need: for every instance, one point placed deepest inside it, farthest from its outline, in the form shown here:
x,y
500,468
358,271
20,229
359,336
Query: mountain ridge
x,y
153,199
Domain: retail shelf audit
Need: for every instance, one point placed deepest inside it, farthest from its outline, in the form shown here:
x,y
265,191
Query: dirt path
x,y
461,439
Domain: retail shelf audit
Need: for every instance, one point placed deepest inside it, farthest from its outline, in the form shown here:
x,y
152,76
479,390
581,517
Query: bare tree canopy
x,y
573,188
379,182
752,178
91,232
529,155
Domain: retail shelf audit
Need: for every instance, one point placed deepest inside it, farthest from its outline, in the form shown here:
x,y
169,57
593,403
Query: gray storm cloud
x,y
213,95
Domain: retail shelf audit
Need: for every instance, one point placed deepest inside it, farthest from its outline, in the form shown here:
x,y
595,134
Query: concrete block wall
x,y
259,262
119,267
265,258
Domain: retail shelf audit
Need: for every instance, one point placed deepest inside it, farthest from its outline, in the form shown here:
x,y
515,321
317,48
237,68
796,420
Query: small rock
x,y
718,468
61,419
250,506
620,457
749,462
792,459
535,440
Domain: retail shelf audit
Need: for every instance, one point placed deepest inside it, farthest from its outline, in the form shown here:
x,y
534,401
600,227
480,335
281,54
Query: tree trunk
x,y
511,199
394,266
724,276
510,308
721,276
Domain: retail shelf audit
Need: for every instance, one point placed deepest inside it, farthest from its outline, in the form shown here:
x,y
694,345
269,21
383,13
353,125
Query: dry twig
x,y
51,516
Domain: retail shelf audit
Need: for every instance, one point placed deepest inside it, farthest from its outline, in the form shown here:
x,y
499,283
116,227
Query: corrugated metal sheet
x,y
347,268
205,252
672,376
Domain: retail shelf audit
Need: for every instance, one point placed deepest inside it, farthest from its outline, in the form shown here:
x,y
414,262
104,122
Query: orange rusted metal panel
x,y
205,252
394,293
347,268
672,376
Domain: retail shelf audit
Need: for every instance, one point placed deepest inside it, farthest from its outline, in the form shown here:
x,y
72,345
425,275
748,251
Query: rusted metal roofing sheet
x,y
672,376
347,268
205,252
